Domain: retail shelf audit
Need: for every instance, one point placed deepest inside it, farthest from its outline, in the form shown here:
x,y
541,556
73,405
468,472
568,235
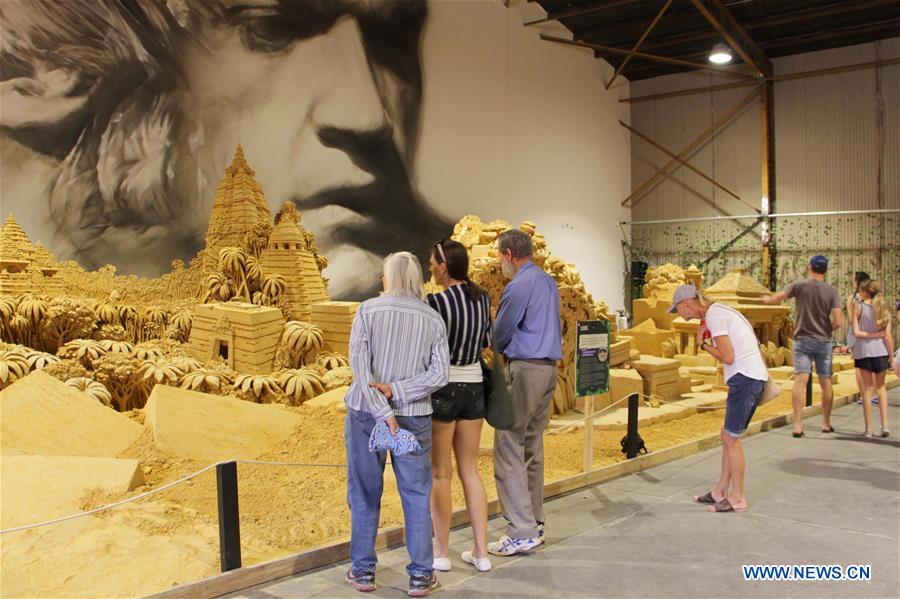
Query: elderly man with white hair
x,y
399,355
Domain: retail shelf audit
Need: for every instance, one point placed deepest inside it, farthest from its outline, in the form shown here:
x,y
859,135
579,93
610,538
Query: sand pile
x,y
40,415
172,538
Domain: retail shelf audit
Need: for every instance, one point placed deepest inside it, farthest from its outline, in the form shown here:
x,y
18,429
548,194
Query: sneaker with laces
x,y
419,586
482,564
509,546
364,582
541,532
442,564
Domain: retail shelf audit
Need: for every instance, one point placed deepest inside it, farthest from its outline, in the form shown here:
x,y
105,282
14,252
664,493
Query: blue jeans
x,y
807,351
365,483
744,394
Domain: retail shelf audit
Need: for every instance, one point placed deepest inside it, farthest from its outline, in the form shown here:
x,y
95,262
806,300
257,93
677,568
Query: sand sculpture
x,y
25,268
744,294
243,335
576,303
660,285
215,326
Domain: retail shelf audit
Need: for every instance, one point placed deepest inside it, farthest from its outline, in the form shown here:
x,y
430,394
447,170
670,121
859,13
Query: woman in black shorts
x,y
871,322
459,407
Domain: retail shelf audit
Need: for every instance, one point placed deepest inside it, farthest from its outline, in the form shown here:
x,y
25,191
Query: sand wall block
x,y
623,383
210,427
40,415
37,488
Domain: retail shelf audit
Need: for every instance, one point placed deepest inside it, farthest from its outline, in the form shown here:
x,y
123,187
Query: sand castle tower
x,y
239,205
25,268
289,256
15,258
45,263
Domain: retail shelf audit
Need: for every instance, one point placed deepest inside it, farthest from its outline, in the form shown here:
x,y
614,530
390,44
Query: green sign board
x,y
592,358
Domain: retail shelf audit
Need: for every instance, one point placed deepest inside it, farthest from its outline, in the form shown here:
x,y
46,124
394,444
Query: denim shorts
x,y
807,351
458,400
744,394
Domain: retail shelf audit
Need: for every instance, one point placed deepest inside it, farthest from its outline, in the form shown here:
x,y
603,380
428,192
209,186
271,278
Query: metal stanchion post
x,y
229,519
633,441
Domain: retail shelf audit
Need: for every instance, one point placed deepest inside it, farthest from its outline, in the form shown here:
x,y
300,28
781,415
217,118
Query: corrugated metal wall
x,y
837,148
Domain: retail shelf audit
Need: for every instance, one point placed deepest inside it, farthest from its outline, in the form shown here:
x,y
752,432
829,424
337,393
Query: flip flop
x,y
798,435
708,498
725,506
828,430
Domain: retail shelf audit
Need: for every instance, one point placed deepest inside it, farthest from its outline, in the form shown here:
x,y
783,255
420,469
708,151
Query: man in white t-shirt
x,y
727,336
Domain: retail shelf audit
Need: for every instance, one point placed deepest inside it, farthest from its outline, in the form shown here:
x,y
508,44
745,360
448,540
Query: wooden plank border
x,y
318,557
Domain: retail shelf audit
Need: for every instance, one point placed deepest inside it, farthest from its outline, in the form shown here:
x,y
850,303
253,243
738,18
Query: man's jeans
x,y
365,483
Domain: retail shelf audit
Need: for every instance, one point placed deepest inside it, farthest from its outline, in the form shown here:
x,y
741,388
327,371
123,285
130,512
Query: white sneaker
x,y
509,546
482,564
442,564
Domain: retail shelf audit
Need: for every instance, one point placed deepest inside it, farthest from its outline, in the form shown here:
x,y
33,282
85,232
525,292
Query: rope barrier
x,y
588,417
183,479
652,397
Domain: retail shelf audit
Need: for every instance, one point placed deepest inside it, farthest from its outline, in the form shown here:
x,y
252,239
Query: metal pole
x,y
632,440
588,433
664,59
698,141
755,216
229,519
778,78
644,35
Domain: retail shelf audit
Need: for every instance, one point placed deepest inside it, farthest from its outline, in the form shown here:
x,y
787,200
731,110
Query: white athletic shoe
x,y
482,564
509,546
442,564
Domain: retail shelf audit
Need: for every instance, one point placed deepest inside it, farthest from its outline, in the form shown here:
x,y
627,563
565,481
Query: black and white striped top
x,y
468,322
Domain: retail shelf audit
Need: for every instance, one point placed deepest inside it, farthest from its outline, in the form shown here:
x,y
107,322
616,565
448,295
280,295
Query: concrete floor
x,y
824,499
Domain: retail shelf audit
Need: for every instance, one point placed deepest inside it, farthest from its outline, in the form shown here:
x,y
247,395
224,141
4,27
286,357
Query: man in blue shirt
x,y
528,332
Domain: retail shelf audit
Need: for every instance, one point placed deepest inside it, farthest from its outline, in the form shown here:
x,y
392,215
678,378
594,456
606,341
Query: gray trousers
x,y
519,452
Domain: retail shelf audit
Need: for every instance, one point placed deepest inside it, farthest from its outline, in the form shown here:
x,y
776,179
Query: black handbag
x,y
498,404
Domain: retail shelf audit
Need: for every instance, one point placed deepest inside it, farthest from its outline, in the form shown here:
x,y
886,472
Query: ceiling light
x,y
720,54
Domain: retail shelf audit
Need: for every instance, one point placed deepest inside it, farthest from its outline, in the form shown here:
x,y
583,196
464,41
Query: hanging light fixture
x,y
720,54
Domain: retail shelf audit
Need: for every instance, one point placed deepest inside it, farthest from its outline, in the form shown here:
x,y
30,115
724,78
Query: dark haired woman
x,y
459,407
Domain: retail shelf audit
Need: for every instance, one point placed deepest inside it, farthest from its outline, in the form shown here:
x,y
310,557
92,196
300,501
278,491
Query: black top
x,y
468,322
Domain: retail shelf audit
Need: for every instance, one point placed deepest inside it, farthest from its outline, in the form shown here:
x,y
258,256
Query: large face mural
x,y
119,116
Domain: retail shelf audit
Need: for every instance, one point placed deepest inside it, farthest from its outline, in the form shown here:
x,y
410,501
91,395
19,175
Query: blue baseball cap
x,y
819,262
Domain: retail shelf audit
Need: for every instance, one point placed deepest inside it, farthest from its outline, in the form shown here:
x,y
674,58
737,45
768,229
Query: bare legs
x,y
827,397
731,481
464,437
441,472
798,397
873,382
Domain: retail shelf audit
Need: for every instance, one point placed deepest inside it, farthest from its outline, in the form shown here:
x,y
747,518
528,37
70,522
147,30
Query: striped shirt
x,y
402,342
468,322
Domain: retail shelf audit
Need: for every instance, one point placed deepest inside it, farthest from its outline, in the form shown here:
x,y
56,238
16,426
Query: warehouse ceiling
x,y
682,33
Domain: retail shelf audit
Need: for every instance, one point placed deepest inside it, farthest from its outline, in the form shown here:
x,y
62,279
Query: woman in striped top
x,y
459,407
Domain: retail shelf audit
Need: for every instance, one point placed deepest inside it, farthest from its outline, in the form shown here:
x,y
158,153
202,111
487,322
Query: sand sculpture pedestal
x,y
661,377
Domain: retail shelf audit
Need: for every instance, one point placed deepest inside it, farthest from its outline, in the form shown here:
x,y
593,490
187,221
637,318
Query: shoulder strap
x,y
730,309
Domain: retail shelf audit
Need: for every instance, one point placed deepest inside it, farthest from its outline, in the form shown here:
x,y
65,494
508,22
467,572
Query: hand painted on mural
x,y
139,106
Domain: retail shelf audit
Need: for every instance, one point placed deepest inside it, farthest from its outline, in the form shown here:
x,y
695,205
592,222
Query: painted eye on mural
x,y
271,30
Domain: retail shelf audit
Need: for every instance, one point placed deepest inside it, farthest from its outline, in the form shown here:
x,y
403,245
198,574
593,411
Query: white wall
x,y
519,128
